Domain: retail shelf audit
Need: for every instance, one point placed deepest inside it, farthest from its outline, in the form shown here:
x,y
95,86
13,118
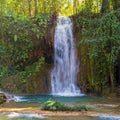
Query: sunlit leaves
x,y
15,38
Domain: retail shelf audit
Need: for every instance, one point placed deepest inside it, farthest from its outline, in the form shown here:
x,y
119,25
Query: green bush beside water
x,y
54,105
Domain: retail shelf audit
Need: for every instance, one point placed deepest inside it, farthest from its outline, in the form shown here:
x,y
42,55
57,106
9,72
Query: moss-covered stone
x,y
2,98
13,84
36,83
39,82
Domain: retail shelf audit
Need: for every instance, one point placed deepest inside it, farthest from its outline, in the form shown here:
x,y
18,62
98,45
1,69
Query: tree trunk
x,y
36,8
44,7
111,73
23,7
75,6
116,4
105,6
29,7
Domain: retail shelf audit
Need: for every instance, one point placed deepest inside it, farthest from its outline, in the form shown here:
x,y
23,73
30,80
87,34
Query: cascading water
x,y
64,73
9,97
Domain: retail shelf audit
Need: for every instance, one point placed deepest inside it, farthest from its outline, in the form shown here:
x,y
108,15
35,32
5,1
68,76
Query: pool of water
x,y
63,99
107,107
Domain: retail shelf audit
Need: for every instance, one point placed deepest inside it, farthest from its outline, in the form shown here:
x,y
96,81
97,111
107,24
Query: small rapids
x,y
106,117
10,97
22,115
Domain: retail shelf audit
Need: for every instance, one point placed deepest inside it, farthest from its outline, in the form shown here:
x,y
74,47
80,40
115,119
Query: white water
x,y
9,97
107,117
22,115
64,73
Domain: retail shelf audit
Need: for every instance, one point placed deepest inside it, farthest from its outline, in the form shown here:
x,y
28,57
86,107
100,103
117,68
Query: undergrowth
x,y
54,105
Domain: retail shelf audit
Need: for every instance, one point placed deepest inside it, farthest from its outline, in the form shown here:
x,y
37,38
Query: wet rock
x,y
118,91
2,98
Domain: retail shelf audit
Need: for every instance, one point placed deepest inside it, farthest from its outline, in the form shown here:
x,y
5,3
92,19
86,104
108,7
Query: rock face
x,y
2,98
37,83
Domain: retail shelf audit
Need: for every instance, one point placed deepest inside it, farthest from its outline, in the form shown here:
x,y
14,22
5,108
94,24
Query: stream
x,y
27,107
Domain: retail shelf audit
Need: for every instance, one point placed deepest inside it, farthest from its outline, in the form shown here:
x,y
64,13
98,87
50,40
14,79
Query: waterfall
x,y
64,73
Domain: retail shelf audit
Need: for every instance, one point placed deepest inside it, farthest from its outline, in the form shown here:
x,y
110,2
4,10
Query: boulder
x,y
3,98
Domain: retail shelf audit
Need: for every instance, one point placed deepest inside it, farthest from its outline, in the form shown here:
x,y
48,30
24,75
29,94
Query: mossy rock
x,y
2,98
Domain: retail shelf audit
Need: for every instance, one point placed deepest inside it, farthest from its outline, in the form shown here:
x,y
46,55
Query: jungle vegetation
x,y
24,46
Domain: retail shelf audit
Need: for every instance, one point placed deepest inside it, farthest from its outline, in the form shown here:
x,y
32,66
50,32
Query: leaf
x,y
15,38
38,36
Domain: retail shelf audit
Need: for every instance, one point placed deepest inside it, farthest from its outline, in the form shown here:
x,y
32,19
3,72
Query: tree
x,y
105,6
29,7
36,7
116,4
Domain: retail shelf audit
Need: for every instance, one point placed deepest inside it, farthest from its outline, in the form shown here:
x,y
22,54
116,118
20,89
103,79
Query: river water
x,y
101,108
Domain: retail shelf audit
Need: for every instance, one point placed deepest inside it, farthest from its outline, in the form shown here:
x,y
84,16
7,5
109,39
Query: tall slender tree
x,y
30,8
105,6
36,7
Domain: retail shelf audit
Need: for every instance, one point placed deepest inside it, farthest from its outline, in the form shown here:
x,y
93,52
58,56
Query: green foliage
x,y
23,24
103,36
55,105
17,39
101,44
6,71
32,8
32,69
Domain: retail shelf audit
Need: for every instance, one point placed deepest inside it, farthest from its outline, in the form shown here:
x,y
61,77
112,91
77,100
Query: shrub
x,y
55,105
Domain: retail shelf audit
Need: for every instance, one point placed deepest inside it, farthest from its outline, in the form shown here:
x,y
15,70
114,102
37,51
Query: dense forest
x,y
27,36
